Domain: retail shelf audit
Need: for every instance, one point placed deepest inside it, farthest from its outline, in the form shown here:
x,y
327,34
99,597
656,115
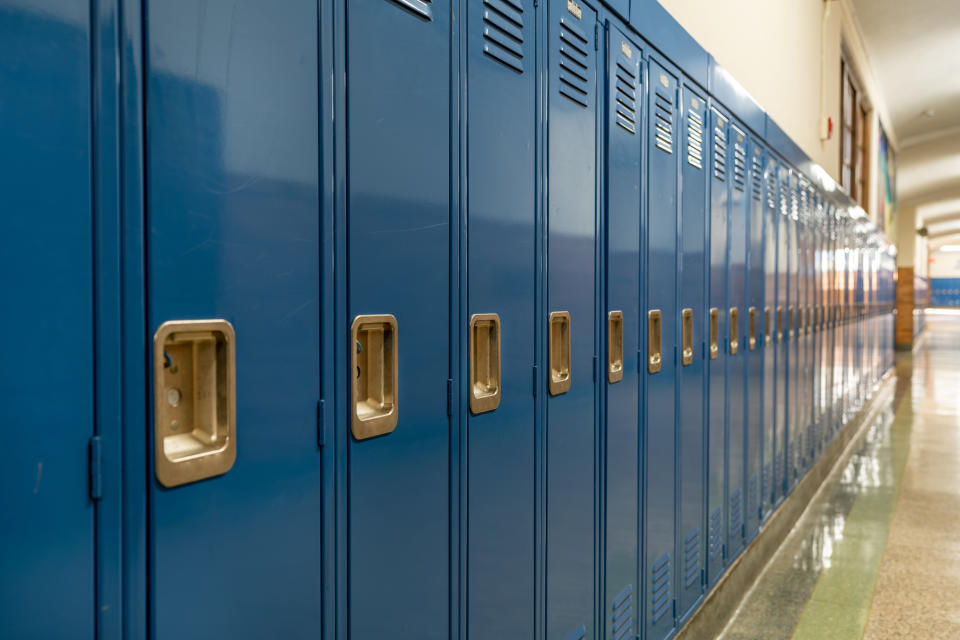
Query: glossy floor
x,y
877,553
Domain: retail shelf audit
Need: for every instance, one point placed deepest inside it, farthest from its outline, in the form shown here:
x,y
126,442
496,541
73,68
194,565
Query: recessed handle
x,y
808,324
791,319
714,333
614,346
734,331
484,362
779,324
194,380
766,325
686,334
752,328
654,359
375,397
559,339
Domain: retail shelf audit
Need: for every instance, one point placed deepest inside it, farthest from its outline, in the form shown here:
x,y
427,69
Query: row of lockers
x,y
419,324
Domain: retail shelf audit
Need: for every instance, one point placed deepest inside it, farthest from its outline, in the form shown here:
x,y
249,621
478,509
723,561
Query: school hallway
x,y
877,552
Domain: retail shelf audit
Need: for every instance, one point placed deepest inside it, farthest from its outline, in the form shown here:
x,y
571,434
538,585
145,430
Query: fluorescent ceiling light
x,y
950,248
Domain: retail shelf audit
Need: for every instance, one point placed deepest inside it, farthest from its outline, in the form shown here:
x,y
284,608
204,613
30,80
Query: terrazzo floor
x,y
877,553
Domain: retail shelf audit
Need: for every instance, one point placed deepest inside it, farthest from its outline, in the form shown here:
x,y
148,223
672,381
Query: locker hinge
x,y
534,381
321,424
596,36
96,468
449,397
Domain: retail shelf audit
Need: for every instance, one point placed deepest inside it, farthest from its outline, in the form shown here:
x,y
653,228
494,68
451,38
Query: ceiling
x,y
913,47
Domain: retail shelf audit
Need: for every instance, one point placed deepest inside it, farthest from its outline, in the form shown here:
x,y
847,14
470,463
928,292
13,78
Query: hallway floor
x,y
877,552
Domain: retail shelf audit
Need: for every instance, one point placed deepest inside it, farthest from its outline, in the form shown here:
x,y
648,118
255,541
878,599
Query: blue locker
x,y
398,313
663,154
624,145
802,346
571,331
770,333
691,327
783,336
816,327
46,372
793,333
755,347
501,246
736,309
716,330
232,204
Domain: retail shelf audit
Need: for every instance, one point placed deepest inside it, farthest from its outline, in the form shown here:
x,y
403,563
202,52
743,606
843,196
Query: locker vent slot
x,y
622,614
716,526
771,189
660,587
736,513
419,8
756,179
503,32
695,138
752,503
739,166
574,59
804,203
663,122
626,93
794,204
691,558
784,188
720,150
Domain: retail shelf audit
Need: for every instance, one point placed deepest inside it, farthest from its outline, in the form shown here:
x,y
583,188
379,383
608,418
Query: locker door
x,y
571,289
802,350
715,322
398,264
661,287
755,347
46,371
624,145
793,335
501,278
232,205
780,460
736,310
693,349
770,339
816,327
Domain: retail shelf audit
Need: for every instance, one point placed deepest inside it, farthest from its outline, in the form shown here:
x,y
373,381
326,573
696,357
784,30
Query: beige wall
x,y
773,48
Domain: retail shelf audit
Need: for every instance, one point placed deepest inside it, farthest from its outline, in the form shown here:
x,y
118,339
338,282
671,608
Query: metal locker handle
x,y
714,333
752,328
791,318
484,362
780,324
734,330
615,346
766,325
686,330
559,339
375,391
194,403
810,326
800,328
654,359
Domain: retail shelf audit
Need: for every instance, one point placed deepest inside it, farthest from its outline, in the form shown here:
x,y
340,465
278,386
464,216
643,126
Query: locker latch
x,y
779,324
194,381
714,333
559,347
751,328
766,325
734,331
686,330
484,362
374,397
654,359
614,346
